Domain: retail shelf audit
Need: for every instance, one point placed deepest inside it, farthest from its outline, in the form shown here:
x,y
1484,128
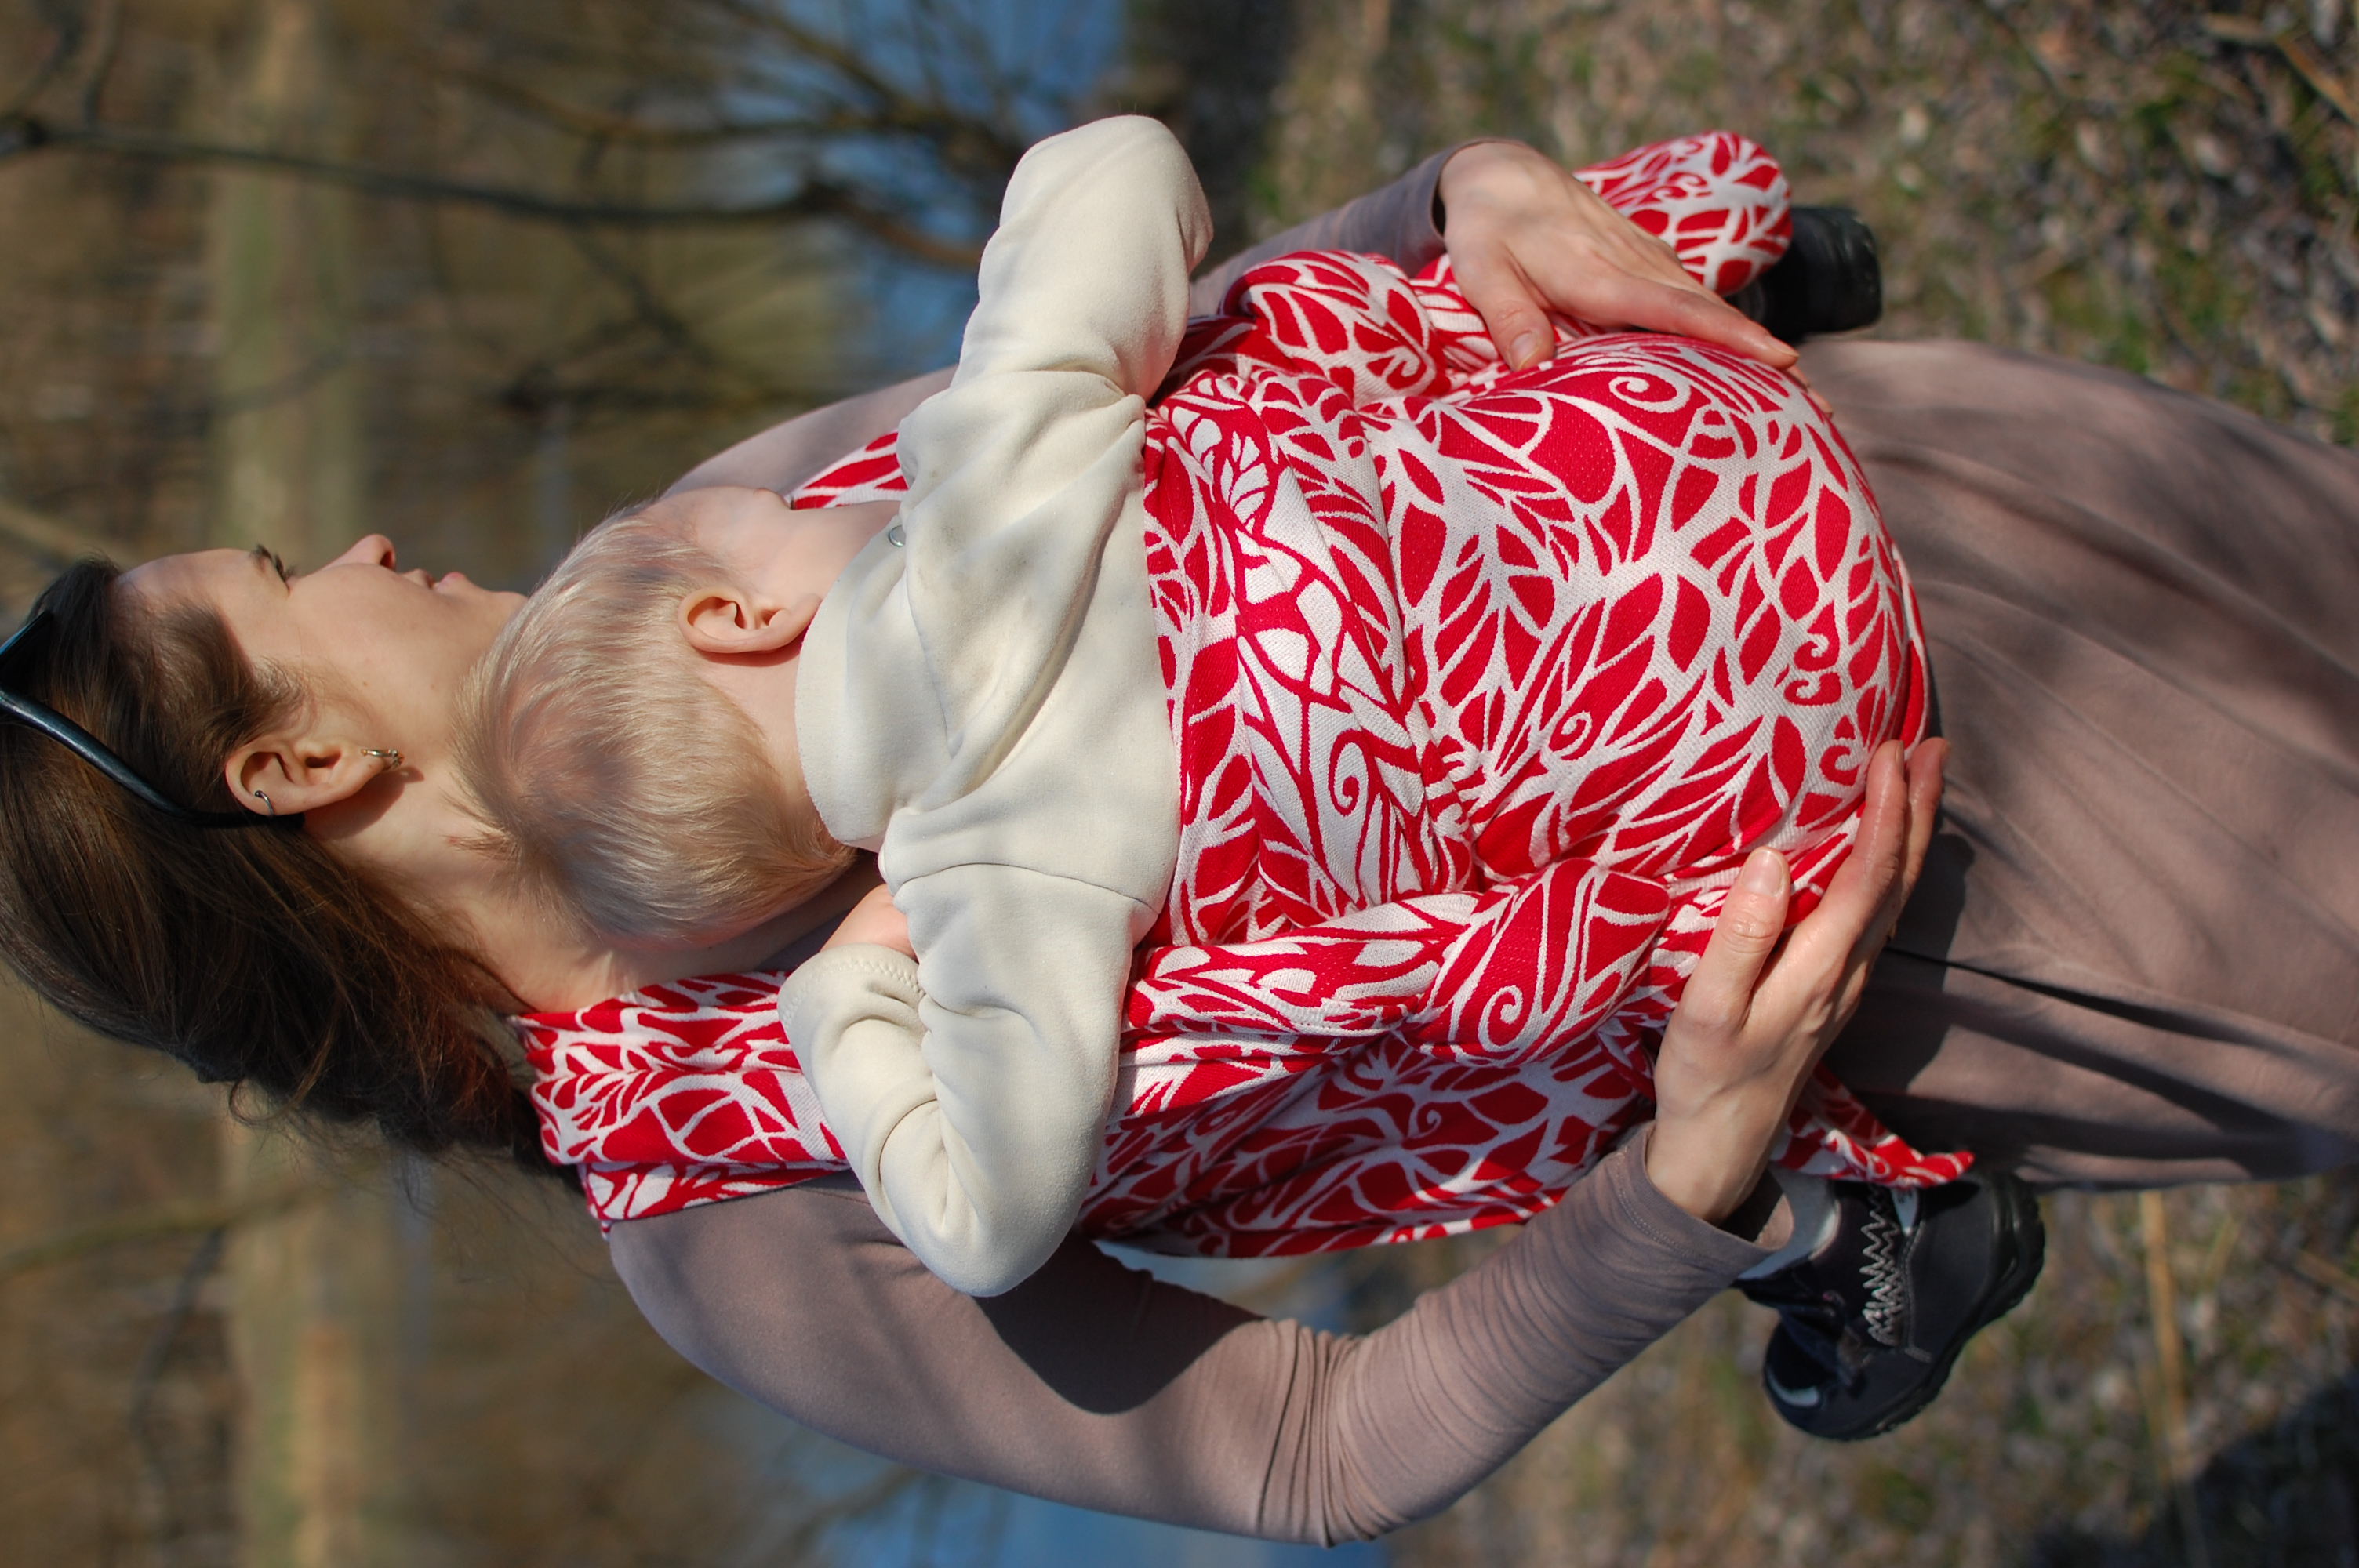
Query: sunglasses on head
x,y
83,744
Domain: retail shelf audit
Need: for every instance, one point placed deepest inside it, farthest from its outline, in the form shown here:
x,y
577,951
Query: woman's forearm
x,y
1395,220
1095,1385
792,451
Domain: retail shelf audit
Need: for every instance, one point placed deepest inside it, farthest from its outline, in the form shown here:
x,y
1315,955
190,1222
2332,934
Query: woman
x,y
2132,960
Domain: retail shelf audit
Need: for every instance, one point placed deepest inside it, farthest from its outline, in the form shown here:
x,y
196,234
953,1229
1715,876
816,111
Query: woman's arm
x,y
1402,220
793,451
1091,1383
1527,239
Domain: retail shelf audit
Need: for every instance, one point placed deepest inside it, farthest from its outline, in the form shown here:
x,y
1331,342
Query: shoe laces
x,y
1840,1331
1884,1272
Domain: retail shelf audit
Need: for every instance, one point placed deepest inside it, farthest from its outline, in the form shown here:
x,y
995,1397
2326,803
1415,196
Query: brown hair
x,y
623,785
253,956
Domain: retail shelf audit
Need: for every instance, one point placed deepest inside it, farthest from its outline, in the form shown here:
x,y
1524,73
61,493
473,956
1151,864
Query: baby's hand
x,y
874,919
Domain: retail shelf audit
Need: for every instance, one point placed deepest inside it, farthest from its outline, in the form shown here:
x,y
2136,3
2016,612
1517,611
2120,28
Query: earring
x,y
387,758
266,803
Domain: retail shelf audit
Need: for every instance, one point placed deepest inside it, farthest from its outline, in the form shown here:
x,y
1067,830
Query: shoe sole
x,y
2024,1230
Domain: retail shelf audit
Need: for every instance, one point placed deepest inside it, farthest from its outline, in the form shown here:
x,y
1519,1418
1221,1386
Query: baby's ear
x,y
722,620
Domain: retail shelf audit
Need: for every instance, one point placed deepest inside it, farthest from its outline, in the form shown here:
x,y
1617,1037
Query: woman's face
x,y
395,645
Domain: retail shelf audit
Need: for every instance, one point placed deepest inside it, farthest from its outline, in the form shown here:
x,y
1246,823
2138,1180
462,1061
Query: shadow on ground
x,y
2284,1498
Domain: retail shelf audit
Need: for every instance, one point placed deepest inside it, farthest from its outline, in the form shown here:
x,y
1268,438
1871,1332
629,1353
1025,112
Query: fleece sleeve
x,y
982,704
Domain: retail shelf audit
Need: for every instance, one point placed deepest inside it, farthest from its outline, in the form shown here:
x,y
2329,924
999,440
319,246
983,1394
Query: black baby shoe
x,y
1869,1325
1828,281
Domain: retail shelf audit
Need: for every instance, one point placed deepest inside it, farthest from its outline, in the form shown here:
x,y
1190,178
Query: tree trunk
x,y
286,421
314,1302
314,1298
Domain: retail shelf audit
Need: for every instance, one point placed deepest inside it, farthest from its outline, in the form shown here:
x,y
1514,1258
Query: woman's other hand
x,y
1764,1003
1530,243
874,919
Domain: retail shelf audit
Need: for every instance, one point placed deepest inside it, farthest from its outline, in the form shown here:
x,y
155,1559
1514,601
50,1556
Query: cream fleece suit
x,y
981,702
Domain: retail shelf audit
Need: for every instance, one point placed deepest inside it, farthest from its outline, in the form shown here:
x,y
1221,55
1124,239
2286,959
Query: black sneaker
x,y
1829,280
1869,1325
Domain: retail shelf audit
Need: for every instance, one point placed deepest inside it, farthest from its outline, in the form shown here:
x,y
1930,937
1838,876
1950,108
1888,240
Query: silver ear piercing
x,y
265,802
387,758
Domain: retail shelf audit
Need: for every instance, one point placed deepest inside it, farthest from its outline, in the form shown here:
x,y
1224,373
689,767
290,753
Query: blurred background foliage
x,y
472,274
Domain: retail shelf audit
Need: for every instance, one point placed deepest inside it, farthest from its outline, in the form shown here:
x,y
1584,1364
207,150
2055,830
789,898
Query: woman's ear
x,y
282,775
720,621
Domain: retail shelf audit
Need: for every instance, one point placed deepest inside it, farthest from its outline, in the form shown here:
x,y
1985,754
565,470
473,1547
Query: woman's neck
x,y
430,848
553,971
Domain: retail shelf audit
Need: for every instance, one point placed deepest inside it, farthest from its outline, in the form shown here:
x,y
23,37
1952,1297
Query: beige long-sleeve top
x,y
980,701
1092,1383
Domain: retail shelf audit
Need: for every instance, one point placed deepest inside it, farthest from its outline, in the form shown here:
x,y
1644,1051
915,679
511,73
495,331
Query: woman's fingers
x,y
1611,296
1919,790
874,919
1719,995
1511,307
1845,921
1926,766
1757,1012
1530,243
1523,284
1833,950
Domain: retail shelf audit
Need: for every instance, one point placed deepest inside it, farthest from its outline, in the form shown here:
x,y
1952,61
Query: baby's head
x,y
630,736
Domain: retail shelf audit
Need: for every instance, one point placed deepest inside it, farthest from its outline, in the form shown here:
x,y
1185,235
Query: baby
x,y
633,734
711,696
1539,671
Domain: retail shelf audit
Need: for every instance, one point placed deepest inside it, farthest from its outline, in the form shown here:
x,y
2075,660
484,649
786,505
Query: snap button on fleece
x,y
894,537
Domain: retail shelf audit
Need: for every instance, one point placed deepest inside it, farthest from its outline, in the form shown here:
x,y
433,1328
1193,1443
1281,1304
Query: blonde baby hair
x,y
617,778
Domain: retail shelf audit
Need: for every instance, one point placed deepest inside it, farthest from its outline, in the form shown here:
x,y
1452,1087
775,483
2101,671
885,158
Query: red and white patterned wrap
x,y
1484,683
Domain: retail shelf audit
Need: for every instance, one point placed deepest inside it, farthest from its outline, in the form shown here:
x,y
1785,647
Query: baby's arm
x,y
997,728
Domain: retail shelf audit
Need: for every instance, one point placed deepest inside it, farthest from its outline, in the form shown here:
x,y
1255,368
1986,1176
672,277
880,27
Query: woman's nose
x,y
369,550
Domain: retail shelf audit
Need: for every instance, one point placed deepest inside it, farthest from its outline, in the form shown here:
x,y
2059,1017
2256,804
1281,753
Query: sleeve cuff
x,y
823,981
1635,1200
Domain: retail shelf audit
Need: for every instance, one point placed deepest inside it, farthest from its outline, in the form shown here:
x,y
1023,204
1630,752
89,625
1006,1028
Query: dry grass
x,y
2057,1443
2148,184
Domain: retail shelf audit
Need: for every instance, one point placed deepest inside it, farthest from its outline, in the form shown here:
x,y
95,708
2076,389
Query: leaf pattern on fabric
x,y
1484,683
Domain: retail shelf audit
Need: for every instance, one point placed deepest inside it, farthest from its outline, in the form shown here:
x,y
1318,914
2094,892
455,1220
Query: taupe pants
x,y
2135,956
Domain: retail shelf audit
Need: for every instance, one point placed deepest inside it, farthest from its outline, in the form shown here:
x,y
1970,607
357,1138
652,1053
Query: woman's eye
x,y
279,567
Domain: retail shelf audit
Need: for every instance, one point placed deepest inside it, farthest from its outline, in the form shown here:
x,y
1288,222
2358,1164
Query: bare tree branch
x,y
103,32
901,117
2250,34
149,1378
63,43
152,1225
962,138
59,544
818,201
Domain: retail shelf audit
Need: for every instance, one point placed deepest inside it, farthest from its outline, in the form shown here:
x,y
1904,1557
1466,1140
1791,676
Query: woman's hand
x,y
874,919
1530,243
1759,1011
